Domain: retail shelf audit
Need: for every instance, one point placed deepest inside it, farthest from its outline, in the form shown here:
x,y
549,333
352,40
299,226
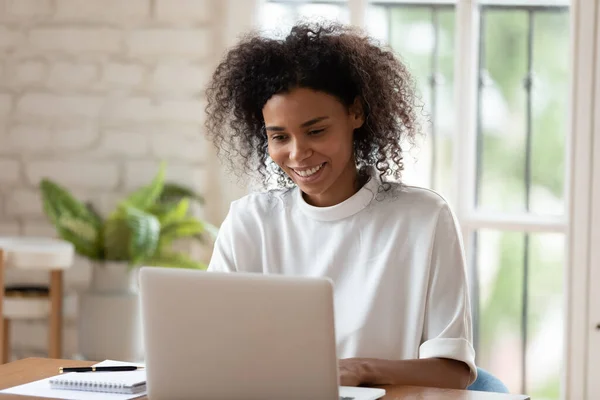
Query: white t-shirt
x,y
395,257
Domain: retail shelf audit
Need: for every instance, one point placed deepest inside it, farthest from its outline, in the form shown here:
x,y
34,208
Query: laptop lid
x,y
238,336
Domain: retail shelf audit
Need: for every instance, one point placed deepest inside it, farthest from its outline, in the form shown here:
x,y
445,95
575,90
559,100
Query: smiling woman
x,y
315,152
328,108
334,60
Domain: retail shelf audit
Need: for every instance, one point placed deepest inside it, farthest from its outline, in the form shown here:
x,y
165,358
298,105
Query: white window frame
x,y
583,304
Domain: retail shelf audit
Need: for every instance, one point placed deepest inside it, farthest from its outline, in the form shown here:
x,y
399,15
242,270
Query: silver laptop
x,y
240,336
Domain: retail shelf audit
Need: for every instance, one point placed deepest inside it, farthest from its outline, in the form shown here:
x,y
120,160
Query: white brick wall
x,y
120,74
28,8
9,172
106,10
10,38
5,104
28,72
58,106
181,11
94,94
160,42
71,40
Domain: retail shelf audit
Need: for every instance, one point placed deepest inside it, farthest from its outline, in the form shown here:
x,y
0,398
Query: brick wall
x,y
93,94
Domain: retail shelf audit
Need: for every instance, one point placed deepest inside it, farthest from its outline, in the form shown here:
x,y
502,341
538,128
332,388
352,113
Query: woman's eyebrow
x,y
313,121
303,125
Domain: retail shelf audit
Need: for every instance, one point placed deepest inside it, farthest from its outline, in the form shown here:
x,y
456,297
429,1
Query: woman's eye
x,y
277,138
315,131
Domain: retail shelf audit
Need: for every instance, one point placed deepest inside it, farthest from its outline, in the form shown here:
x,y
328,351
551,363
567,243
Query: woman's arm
x,y
446,357
430,372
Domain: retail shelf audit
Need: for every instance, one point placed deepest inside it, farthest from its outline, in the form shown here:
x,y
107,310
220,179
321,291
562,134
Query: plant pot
x,y
109,315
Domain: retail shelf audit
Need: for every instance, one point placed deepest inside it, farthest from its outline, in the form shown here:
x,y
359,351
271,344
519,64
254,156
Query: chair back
x,y
486,382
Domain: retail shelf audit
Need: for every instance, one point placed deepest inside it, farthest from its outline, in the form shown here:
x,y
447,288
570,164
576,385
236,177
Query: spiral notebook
x,y
125,382
81,390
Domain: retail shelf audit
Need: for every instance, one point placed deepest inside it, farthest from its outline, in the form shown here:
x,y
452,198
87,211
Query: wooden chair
x,y
34,254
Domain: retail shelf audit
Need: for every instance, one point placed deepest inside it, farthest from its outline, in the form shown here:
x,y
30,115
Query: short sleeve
x,y
223,258
237,243
447,331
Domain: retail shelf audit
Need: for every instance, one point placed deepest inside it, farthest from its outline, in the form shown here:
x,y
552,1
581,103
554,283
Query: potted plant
x,y
140,231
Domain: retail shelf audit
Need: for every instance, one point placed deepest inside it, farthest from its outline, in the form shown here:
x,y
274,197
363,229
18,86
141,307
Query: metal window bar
x,y
475,288
528,85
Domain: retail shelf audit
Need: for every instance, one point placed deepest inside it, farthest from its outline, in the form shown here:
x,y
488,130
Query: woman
x,y
321,114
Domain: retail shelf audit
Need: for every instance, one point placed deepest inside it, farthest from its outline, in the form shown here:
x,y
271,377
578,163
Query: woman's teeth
x,y
309,172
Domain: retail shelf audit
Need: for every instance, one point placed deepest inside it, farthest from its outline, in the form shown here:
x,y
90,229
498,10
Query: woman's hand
x,y
352,372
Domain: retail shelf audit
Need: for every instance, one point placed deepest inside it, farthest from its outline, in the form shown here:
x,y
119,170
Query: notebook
x,y
43,388
125,382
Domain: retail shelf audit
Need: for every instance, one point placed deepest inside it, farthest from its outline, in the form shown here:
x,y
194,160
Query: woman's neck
x,y
348,184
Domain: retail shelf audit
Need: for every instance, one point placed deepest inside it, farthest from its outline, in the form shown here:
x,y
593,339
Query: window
x,y
493,77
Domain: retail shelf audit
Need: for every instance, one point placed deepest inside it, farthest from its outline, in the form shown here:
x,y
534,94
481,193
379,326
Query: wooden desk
x,y
31,369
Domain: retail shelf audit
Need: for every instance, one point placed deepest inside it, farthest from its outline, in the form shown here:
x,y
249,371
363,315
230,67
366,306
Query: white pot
x,y
109,315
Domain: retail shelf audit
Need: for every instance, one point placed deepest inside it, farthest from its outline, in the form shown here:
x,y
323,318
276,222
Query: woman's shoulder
x,y
413,196
416,205
261,204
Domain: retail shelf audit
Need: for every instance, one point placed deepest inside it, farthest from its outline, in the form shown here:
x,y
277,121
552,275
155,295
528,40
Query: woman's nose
x,y
300,151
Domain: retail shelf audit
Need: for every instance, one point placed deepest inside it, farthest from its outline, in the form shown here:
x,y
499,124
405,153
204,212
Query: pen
x,y
99,369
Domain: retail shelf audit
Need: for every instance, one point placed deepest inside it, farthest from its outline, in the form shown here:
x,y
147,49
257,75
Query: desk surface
x,y
31,369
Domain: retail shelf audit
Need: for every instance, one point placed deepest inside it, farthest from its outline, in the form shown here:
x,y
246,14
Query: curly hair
x,y
332,58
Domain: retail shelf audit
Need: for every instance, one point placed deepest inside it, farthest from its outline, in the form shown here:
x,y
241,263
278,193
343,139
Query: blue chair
x,y
487,382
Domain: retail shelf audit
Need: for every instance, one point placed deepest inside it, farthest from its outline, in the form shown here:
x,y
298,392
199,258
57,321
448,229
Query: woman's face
x,y
310,137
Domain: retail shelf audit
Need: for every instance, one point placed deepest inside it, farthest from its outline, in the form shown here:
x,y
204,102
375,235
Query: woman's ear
x,y
357,113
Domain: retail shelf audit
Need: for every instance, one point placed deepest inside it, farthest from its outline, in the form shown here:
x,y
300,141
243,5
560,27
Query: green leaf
x,y
175,192
145,233
174,260
72,219
188,227
58,202
146,196
82,246
81,228
83,235
175,213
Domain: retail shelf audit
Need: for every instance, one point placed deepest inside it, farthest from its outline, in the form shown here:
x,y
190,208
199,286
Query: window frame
x,y
582,341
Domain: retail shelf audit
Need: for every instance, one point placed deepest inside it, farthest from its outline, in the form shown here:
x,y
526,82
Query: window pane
x,y
423,38
445,116
504,120
550,111
500,265
377,23
277,18
324,12
502,110
412,37
545,316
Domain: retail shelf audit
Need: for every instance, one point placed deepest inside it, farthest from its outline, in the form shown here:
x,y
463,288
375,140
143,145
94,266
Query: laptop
x,y
240,336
